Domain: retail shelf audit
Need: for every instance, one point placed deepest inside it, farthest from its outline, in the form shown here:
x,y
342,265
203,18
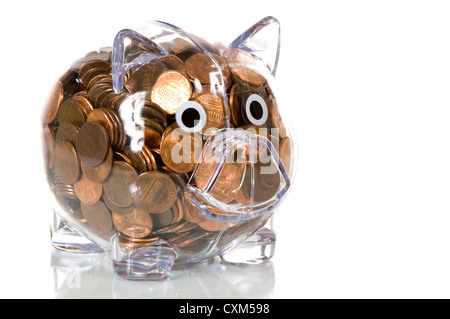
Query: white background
x,y
366,85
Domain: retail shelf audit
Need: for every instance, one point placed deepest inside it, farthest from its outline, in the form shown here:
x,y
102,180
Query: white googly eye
x,y
191,117
256,110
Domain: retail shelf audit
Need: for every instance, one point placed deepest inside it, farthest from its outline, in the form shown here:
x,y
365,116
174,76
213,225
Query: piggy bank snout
x,y
239,173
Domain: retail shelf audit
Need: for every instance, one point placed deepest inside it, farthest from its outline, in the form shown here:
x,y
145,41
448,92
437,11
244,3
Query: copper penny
x,y
72,112
54,101
67,167
162,220
170,91
120,184
177,211
117,209
236,106
98,217
240,197
101,172
136,243
259,184
155,192
202,67
67,132
83,102
247,76
49,145
152,136
180,150
155,114
135,224
213,225
101,117
92,143
214,108
192,213
137,158
285,153
189,238
88,192
275,120
226,183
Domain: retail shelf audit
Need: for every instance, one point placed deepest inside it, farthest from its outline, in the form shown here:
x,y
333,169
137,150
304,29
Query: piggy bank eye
x,y
256,110
191,117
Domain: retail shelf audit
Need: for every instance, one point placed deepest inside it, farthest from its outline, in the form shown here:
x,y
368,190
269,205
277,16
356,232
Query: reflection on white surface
x,y
91,276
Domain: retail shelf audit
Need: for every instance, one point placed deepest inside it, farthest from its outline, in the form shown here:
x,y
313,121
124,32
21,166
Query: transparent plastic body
x,y
166,149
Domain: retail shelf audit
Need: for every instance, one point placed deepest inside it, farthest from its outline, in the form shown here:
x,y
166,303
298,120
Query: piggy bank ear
x,y
130,51
262,40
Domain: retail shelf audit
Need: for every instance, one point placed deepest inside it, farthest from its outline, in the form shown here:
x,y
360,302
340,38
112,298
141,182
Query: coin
x,y
91,56
240,197
246,76
192,213
188,239
135,224
274,119
162,220
120,183
100,172
285,153
226,182
49,145
180,150
54,101
72,112
151,136
236,106
201,67
67,167
119,131
260,185
92,143
119,156
137,159
170,91
67,132
88,192
155,192
117,209
103,118
98,217
155,114
214,108
136,243
70,83
177,211
83,102
213,225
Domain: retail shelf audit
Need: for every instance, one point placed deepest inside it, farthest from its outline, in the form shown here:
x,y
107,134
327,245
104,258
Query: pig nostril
x,y
256,110
191,117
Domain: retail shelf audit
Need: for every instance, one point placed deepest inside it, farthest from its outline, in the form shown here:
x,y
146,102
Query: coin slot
x,y
256,110
191,117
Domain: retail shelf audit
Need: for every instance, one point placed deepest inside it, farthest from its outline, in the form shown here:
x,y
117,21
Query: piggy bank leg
x,y
258,248
136,259
66,238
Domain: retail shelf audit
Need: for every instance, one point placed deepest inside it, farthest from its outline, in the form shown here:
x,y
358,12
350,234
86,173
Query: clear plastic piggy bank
x,y
166,149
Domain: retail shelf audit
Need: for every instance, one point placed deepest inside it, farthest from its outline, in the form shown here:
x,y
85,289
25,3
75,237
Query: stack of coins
x,y
108,155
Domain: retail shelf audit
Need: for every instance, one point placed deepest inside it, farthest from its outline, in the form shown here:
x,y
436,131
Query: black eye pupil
x,y
190,117
256,110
